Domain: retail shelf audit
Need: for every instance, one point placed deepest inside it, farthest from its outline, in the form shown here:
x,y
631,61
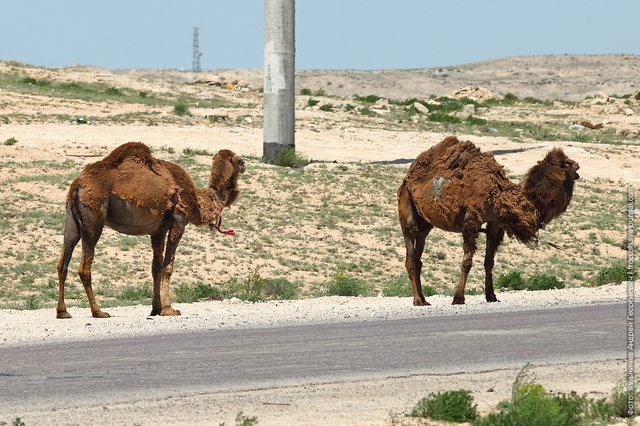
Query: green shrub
x,y
113,91
181,108
531,405
11,141
305,92
188,294
342,284
281,289
368,112
513,280
442,117
251,287
326,107
312,102
543,282
288,157
452,406
136,293
619,398
32,302
370,99
615,273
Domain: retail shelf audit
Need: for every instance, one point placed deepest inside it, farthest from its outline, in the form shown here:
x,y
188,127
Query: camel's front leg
x,y
494,238
175,234
470,231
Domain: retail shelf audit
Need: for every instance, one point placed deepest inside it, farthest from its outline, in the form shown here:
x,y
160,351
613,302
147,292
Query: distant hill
x,y
566,77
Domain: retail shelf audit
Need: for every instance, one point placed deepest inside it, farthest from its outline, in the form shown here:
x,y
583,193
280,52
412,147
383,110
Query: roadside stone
x,y
628,111
381,104
421,108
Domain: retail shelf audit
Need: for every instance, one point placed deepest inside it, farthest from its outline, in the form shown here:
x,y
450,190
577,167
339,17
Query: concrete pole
x,y
279,78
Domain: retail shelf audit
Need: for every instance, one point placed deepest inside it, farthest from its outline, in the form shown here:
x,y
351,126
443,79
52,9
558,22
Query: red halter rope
x,y
219,222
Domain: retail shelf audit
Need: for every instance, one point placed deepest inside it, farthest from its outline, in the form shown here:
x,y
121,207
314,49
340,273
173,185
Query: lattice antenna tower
x,y
196,50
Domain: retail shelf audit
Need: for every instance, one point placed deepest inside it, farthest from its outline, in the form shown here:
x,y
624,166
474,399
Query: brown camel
x,y
456,187
134,193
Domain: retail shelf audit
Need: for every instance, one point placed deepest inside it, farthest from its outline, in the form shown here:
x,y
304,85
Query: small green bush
x,y
615,273
442,117
113,91
619,398
452,406
32,302
312,102
281,289
288,157
513,280
342,284
326,107
181,108
543,282
531,405
251,287
11,141
368,112
305,92
188,294
370,99
136,293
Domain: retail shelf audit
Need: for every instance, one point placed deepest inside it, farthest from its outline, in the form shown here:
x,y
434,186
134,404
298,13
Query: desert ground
x,y
334,216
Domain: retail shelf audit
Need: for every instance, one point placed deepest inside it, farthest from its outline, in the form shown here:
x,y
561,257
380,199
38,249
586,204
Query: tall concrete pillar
x,y
279,77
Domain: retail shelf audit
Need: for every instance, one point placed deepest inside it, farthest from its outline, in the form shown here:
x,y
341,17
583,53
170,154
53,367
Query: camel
x,y
134,193
455,187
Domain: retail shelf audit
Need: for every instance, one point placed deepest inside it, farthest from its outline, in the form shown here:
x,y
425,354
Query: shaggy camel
x,y
134,193
455,187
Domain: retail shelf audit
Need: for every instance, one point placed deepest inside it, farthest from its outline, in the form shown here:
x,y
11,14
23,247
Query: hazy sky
x,y
330,34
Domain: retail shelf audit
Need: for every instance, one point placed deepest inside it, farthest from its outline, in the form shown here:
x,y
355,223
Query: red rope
x,y
219,222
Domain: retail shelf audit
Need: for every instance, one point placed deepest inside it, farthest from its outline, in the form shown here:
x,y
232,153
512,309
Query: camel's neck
x,y
228,193
549,195
208,207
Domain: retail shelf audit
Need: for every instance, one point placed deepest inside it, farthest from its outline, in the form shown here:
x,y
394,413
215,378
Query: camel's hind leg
x,y
157,243
415,230
494,238
94,222
71,238
470,230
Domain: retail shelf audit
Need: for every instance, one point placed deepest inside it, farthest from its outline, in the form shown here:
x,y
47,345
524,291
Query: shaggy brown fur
x,y
137,194
456,187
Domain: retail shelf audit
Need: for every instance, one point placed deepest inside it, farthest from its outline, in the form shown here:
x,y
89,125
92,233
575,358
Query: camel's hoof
x,y
491,300
458,301
420,302
169,312
155,312
62,314
100,314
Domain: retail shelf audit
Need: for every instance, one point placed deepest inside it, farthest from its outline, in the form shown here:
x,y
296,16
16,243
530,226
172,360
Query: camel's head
x,y
549,185
225,169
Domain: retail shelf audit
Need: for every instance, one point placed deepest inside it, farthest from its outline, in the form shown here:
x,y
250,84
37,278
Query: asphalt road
x,y
59,375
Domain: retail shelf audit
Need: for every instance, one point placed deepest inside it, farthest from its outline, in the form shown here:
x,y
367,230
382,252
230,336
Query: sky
x,y
330,34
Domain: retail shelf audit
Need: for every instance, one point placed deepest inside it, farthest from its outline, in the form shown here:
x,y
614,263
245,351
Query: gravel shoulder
x,y
41,326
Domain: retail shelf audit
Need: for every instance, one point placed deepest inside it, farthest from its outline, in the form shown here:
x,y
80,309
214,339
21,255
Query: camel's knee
x,y
412,264
466,266
85,275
